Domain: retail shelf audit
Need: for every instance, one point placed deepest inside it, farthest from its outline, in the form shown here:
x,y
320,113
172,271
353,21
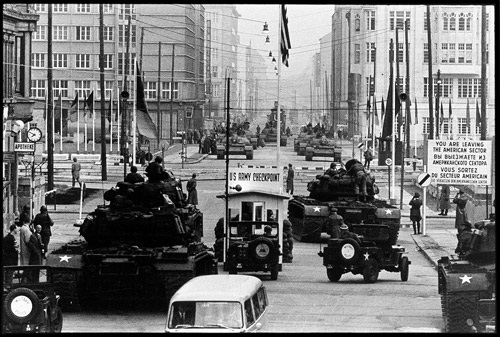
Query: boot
x,y
418,227
446,212
414,229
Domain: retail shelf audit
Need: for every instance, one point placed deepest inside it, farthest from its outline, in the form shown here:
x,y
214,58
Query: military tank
x,y
467,281
341,190
145,244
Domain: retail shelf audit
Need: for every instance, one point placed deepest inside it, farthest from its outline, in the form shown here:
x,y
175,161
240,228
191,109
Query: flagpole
x,y
118,121
93,123
60,124
77,124
85,140
278,108
134,111
111,123
53,124
46,120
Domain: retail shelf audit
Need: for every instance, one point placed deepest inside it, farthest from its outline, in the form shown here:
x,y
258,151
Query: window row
x,y
81,61
463,127
83,88
467,87
79,8
81,33
457,53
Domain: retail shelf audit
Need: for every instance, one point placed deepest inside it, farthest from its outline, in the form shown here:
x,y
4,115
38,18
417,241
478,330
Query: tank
x,y
144,245
309,214
467,281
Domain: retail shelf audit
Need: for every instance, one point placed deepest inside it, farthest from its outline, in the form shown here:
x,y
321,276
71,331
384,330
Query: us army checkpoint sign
x,y
262,179
459,162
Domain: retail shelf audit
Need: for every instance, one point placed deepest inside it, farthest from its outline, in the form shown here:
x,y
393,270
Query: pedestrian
x,y
332,170
258,130
192,192
339,133
462,221
43,220
368,157
344,133
10,253
289,179
444,200
25,215
75,172
155,171
415,160
35,246
24,238
134,177
415,215
335,221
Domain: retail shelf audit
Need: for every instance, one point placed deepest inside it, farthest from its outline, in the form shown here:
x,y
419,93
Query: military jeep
x,y
250,249
30,304
365,253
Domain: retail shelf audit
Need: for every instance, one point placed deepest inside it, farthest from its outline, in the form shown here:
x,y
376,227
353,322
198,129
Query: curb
x,y
430,249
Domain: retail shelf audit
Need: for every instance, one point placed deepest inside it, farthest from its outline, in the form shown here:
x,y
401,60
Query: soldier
x,y
358,172
287,241
335,221
289,179
45,222
444,200
462,221
415,215
155,171
332,171
346,234
134,177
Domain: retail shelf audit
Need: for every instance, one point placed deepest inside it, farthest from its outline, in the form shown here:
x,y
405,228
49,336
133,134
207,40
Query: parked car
x,y
218,303
30,303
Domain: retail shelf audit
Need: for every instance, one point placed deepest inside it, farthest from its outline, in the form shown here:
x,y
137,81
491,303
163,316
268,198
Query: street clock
x,y
34,134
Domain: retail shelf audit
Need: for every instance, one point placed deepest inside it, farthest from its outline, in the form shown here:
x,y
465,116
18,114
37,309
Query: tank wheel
x,y
334,274
66,286
309,156
57,323
220,154
21,305
370,271
404,268
274,272
460,307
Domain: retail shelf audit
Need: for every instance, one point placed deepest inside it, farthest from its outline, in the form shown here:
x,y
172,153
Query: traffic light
x,y
372,86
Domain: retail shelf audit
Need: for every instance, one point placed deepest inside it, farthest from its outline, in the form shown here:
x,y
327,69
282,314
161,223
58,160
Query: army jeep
x,y
250,249
366,253
30,304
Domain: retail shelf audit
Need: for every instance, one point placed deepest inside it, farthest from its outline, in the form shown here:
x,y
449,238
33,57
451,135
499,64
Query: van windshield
x,y
206,315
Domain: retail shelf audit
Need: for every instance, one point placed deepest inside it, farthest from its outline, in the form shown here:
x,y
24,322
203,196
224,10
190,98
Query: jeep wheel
x,y
274,272
21,305
349,251
57,323
403,267
370,271
261,250
461,306
334,274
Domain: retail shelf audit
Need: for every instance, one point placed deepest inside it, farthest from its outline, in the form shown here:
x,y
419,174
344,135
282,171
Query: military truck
x,y
145,244
467,281
309,214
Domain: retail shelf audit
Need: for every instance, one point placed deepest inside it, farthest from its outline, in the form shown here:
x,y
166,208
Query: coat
x,y
192,193
444,198
44,220
35,246
289,179
10,254
461,216
24,238
415,215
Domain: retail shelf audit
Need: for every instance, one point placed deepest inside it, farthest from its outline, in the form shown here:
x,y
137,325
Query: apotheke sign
x,y
24,147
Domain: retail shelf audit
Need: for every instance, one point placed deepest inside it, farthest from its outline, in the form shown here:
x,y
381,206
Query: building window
x,y
40,34
468,22
461,53
370,20
399,19
463,126
425,21
444,52
83,8
445,21
108,8
127,10
215,90
426,53
60,88
122,61
215,72
452,21
150,90
446,87
357,23
401,52
123,34
108,33
461,21
38,60
82,88
215,53
446,125
38,88
108,61
41,8
165,90
83,33
108,88
60,60
469,87
60,33
357,53
370,52
451,53
82,61
60,8
468,53
426,125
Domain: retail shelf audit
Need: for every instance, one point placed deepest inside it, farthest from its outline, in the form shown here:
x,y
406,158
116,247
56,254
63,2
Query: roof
x,y
271,194
217,288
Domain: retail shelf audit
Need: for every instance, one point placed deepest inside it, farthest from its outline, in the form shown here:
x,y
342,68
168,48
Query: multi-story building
x,y
19,23
361,37
222,33
255,75
173,83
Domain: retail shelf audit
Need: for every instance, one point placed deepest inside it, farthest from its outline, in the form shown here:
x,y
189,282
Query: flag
x,y
145,125
467,115
416,112
383,109
285,37
375,111
46,105
388,122
408,112
449,110
442,115
398,109
478,116
90,103
73,116
110,110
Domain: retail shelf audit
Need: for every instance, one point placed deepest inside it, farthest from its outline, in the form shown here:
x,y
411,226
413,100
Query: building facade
x,y
361,37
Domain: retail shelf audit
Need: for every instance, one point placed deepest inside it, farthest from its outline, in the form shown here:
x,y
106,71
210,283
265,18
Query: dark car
x,y
30,304
252,249
366,253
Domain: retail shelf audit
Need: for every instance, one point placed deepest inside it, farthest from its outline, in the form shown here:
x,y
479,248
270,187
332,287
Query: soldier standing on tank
x,y
358,172
335,221
415,215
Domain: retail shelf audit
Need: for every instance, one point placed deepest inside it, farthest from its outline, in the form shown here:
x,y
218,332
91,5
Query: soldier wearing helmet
x,y
43,219
346,234
334,222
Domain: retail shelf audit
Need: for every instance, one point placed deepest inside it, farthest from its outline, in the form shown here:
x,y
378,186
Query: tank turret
x,y
478,244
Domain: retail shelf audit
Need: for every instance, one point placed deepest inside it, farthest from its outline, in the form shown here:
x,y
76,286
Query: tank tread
x,y
459,307
65,283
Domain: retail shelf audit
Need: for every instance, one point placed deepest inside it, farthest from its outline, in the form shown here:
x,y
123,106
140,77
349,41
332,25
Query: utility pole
x,y
226,227
103,95
484,61
50,104
158,114
399,112
430,92
125,95
142,44
311,99
407,103
172,92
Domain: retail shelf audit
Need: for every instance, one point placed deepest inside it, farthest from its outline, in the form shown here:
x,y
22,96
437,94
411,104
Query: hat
x,y
344,226
43,208
417,194
290,164
460,191
334,209
268,229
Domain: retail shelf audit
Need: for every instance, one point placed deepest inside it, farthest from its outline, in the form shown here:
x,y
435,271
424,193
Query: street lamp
x,y
268,41
265,29
270,54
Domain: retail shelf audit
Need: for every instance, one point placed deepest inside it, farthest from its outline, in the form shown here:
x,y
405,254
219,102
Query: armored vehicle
x,y
365,254
467,281
324,147
29,302
238,145
341,190
145,244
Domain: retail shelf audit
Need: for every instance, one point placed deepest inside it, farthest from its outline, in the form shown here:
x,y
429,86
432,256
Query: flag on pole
x,y
478,116
467,115
85,107
398,109
90,103
416,112
382,113
72,115
442,114
375,111
387,126
285,37
145,125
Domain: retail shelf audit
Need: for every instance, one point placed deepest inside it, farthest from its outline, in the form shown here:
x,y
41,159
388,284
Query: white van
x,y
218,303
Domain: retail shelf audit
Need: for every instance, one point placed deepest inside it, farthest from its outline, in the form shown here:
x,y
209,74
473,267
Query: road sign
x,y
360,145
388,162
24,147
424,179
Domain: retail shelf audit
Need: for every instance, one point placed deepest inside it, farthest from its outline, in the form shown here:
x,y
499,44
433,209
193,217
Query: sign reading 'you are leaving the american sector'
x,y
459,162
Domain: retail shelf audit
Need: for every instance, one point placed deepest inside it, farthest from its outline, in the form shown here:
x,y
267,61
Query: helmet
x,y
43,209
268,229
344,226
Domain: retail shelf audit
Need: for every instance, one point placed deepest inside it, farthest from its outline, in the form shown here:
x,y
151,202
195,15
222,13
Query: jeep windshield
x,y
206,314
247,229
